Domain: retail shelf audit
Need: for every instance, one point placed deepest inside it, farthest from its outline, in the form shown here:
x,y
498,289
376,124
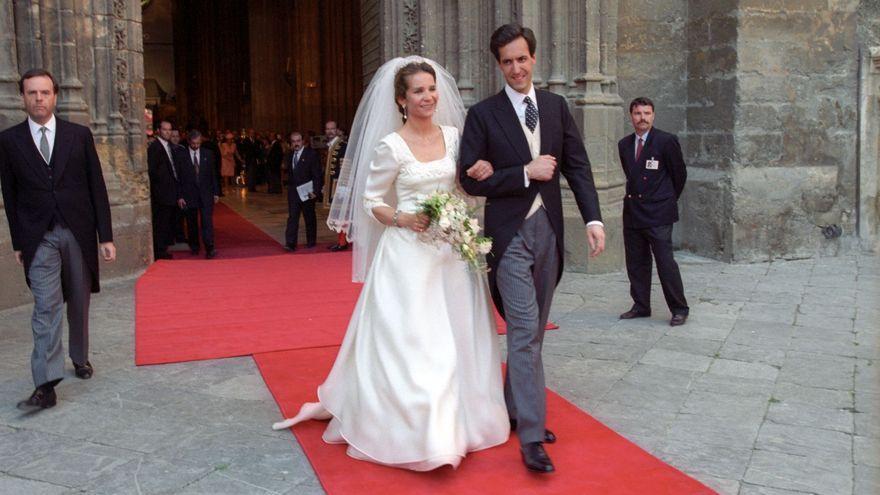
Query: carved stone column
x,y
869,152
60,17
10,101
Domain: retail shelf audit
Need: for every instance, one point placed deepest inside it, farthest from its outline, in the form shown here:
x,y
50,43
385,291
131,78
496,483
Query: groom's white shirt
x,y
517,99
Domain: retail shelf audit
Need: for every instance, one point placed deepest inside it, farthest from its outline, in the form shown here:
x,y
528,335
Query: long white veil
x,y
376,117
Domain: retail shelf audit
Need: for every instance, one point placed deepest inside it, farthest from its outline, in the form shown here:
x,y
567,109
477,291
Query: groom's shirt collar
x,y
517,100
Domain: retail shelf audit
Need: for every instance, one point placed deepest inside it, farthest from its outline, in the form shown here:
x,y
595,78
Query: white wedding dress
x,y
417,382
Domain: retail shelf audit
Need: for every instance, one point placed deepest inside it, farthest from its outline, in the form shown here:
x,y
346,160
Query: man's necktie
x,y
296,159
171,161
531,114
639,148
44,145
196,164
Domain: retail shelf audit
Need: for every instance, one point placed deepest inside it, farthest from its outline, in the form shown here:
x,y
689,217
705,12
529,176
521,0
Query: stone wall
x,y
796,120
94,49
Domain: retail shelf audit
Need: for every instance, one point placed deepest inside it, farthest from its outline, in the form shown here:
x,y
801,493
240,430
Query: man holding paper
x,y
304,178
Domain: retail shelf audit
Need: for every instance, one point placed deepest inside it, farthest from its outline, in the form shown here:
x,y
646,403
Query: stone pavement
x,y
772,387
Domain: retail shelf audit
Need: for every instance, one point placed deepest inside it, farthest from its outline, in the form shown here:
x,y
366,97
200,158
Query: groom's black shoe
x,y
629,315
549,437
42,398
84,371
535,458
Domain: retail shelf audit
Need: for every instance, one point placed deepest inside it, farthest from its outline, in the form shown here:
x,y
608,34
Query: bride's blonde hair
x,y
401,83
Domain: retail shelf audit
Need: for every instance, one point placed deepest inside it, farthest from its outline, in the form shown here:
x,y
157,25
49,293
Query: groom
x,y
529,137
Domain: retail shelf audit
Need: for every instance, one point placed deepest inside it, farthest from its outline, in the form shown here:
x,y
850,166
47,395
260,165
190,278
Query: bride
x,y
417,382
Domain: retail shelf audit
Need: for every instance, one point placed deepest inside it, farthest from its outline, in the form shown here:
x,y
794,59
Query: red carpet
x,y
235,237
291,312
208,309
590,458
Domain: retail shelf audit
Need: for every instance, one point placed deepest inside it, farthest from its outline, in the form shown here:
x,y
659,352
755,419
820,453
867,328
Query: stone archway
x,y
869,150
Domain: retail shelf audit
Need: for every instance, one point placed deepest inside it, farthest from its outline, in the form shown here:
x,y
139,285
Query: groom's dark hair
x,y
508,33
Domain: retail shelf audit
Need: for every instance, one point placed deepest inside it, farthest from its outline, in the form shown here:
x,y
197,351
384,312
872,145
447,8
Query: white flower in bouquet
x,y
452,223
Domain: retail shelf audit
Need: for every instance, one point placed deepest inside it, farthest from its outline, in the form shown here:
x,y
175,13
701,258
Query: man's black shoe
x,y
210,253
338,247
549,437
535,458
193,250
42,398
678,320
310,245
165,255
289,247
629,315
84,371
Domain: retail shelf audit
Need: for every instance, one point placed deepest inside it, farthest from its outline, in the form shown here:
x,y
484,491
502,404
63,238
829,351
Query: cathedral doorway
x,y
271,65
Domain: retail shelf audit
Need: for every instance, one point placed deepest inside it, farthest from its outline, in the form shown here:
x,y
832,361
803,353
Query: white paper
x,y
304,190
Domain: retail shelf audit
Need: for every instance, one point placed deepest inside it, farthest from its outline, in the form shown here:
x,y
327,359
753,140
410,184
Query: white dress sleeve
x,y
381,177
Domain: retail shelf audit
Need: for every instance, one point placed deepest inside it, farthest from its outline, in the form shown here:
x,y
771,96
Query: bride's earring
x,y
405,116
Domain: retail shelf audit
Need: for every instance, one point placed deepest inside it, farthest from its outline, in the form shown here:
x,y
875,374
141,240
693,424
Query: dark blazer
x,y
308,169
275,157
76,192
493,132
197,192
163,185
651,196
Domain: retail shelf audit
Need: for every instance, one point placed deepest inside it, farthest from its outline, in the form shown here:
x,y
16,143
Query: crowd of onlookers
x,y
242,159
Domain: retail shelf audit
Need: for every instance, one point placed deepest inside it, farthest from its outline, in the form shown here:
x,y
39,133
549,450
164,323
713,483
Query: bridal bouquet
x,y
452,223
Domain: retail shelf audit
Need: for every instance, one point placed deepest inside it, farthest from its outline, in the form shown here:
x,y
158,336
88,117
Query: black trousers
x,y
273,176
163,228
295,207
639,245
205,217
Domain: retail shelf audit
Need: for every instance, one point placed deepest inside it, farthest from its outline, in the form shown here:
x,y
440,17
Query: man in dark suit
x,y
273,164
212,146
56,204
655,177
199,191
163,190
527,136
302,166
249,148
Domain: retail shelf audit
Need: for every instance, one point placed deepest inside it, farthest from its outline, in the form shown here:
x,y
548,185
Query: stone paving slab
x,y
771,388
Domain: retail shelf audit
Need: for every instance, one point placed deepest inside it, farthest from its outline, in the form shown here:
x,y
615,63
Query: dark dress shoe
x,y
678,320
549,437
210,254
289,247
84,371
629,315
339,247
310,245
535,458
193,250
164,256
42,398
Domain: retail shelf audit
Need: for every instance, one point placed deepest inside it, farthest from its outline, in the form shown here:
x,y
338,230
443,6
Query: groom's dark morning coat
x,y
492,132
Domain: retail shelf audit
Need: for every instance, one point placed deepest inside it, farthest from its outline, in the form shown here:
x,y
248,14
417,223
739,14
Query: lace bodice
x,y
395,172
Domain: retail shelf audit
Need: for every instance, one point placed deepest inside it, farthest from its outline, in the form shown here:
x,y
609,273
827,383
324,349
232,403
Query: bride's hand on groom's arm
x,y
480,170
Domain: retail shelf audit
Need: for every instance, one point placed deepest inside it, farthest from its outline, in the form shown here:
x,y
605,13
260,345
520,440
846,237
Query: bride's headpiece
x,y
377,116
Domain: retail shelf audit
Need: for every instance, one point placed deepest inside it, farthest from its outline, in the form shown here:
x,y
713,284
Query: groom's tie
x,y
531,114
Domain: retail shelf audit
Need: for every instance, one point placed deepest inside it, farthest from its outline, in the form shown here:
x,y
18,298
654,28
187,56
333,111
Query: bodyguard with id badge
x,y
655,176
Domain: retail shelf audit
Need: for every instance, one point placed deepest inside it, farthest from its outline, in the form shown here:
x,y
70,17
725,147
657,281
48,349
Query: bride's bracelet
x,y
394,218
